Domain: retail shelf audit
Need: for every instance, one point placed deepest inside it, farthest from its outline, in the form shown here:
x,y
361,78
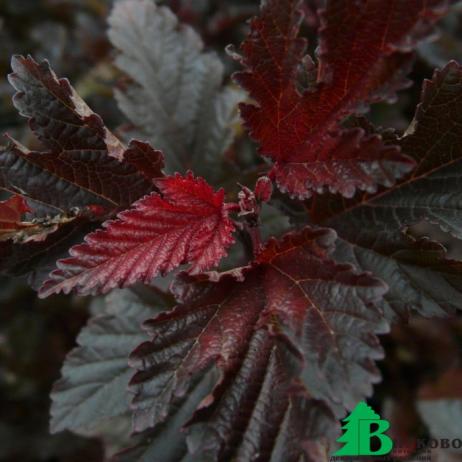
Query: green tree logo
x,y
358,433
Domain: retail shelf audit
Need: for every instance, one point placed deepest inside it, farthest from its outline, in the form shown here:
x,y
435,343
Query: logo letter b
x,y
386,444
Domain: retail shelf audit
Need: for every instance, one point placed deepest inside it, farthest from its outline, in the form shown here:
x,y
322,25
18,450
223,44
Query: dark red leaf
x,y
83,163
67,179
260,412
374,227
363,58
300,329
56,113
187,223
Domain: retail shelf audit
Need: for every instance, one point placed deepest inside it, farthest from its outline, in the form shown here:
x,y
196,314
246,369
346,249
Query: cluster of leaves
x,y
255,354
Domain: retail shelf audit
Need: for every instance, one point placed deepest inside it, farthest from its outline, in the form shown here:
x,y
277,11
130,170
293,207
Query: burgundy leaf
x,y
274,342
261,413
363,57
187,223
56,113
374,227
61,181
83,163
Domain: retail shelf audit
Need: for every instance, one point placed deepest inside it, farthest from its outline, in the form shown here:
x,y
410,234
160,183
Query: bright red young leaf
x,y
299,328
363,59
187,223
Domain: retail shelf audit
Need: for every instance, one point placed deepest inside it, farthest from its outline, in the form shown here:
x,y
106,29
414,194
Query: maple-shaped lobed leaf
x,y
175,96
364,55
83,163
373,227
186,223
290,344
